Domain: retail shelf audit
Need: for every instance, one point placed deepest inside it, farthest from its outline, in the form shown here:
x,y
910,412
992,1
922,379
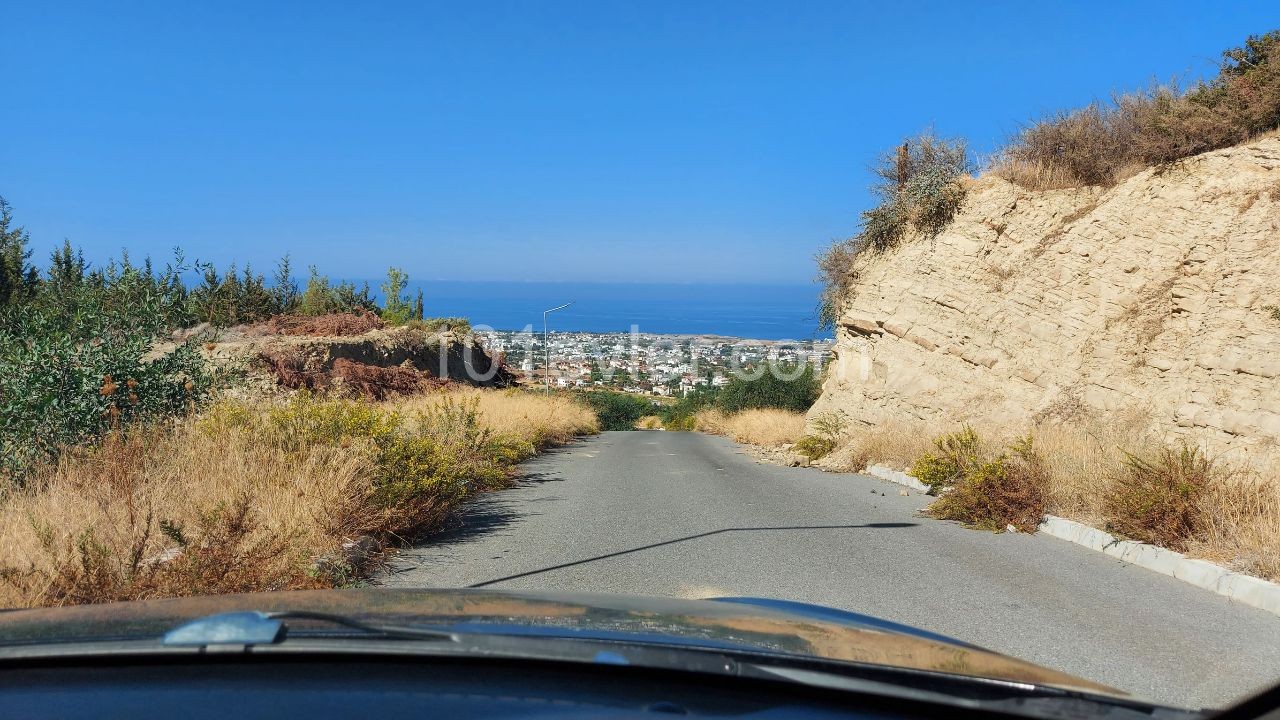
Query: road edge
x,y
1246,589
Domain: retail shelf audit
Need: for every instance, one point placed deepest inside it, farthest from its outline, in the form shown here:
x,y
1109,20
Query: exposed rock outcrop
x,y
1155,295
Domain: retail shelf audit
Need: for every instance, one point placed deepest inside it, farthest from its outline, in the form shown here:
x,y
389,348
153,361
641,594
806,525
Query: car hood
x,y
755,624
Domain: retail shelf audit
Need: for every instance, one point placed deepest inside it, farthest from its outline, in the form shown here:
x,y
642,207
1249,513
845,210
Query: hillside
x,y
1153,298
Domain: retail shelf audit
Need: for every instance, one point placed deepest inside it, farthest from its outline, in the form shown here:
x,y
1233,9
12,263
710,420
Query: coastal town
x,y
664,365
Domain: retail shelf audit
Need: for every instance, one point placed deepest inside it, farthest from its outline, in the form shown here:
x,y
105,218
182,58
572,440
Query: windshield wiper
x,y
253,627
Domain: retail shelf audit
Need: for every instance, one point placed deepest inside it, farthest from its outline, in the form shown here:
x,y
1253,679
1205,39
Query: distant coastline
x,y
758,312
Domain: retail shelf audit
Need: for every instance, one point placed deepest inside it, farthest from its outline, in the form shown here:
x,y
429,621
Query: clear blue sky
x,y
644,141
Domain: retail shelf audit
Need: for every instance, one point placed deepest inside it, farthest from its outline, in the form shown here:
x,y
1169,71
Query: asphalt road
x,y
691,515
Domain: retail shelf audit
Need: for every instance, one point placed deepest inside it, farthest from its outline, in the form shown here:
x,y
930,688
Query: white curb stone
x,y
1245,589
896,476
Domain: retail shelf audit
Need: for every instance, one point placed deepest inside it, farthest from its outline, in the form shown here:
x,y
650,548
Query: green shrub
x,y
442,454
679,415
814,447
766,389
827,429
616,410
681,423
956,452
992,495
73,369
1160,500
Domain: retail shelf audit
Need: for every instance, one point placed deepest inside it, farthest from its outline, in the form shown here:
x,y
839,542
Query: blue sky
x,y
643,141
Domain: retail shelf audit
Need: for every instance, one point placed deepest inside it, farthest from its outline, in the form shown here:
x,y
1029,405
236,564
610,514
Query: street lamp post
x,y
546,346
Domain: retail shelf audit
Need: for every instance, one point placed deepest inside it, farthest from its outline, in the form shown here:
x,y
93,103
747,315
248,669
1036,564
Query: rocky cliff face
x,y
1154,296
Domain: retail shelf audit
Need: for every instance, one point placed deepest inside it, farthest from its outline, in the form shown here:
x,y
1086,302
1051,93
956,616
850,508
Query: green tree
x,y
18,278
284,289
396,307
318,298
768,390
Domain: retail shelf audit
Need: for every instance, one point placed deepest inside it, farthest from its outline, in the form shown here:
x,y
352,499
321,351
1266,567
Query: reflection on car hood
x,y
745,623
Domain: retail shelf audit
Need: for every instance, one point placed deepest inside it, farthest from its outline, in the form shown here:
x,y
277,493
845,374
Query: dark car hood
x,y
744,623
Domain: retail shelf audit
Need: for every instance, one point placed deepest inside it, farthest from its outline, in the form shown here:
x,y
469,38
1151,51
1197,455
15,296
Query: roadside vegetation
x,y
1110,475
247,497
1107,142
88,350
126,473
920,185
919,188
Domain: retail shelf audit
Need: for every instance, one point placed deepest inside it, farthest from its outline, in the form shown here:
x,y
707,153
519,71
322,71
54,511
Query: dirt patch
x,y
348,376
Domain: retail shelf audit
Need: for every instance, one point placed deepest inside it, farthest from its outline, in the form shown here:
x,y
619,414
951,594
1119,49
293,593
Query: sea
x,y
763,312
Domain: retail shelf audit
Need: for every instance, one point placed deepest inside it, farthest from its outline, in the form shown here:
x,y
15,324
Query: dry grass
x,y
541,420
1083,459
1242,523
1081,456
248,497
895,444
649,422
769,427
1103,144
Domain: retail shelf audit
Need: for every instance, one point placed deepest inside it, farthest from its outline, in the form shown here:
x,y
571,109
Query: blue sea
x,y
763,312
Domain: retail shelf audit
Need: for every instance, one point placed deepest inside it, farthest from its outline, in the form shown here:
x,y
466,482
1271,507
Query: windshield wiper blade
x,y
252,627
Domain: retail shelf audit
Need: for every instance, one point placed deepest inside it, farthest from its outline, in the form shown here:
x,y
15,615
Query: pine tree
x,y
284,288
18,278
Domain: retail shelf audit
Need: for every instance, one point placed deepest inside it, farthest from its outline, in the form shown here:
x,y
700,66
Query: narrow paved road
x,y
690,515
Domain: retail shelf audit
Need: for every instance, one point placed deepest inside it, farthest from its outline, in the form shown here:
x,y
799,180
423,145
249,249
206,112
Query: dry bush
x,y
357,322
1161,499
649,422
249,497
1080,147
1105,144
1082,453
375,382
765,426
992,495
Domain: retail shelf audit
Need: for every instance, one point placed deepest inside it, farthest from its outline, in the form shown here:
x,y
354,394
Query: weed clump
x,y
827,430
1010,490
1161,500
955,454
920,189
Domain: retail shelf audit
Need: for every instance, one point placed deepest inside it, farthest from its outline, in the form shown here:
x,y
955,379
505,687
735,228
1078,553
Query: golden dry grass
x,y
1241,512
649,422
768,427
895,444
247,511
530,416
